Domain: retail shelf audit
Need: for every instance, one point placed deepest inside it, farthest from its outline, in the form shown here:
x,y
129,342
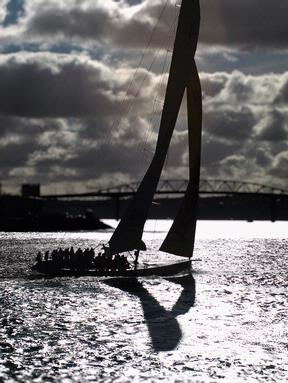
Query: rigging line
x,y
130,105
143,81
144,52
158,51
155,102
149,41
156,115
170,33
155,118
167,44
108,137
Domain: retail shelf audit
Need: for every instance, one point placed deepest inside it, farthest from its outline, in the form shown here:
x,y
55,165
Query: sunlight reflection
x,y
218,229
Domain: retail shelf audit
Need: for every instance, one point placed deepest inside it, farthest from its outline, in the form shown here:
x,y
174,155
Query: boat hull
x,y
165,270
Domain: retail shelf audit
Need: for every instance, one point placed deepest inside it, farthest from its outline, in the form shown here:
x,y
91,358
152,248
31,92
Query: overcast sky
x,y
81,89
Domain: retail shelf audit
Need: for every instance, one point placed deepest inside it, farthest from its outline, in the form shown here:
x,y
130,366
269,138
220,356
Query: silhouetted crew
x,y
136,253
91,257
124,264
117,262
73,259
66,257
46,256
114,263
79,258
127,264
54,255
60,257
86,258
39,257
102,263
106,262
96,262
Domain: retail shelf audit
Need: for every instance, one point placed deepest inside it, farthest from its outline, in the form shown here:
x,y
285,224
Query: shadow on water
x,y
164,330
186,299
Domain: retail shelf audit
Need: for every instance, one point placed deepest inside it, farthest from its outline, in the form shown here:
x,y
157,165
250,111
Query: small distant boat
x,y
127,237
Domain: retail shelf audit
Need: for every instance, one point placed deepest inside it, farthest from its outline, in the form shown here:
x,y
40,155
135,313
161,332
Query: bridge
x,y
178,187
219,199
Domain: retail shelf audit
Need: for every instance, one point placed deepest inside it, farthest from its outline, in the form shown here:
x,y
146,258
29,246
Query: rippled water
x,y
226,323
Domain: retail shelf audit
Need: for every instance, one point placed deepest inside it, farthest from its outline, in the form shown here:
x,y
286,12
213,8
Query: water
x,y
226,323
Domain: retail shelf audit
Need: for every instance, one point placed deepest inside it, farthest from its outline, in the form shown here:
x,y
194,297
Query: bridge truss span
x,y
207,186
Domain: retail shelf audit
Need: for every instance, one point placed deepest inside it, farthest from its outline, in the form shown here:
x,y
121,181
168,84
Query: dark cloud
x,y
70,119
245,135
245,23
244,132
109,22
15,154
45,85
280,166
230,124
240,23
214,151
263,157
273,127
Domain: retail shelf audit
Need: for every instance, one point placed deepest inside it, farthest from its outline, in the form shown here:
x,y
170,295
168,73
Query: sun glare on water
x,y
218,229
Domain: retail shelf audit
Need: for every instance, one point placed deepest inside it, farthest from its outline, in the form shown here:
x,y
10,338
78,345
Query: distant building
x,y
30,190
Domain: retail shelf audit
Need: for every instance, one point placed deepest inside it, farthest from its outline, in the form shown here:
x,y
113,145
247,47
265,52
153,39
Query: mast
x,y
128,233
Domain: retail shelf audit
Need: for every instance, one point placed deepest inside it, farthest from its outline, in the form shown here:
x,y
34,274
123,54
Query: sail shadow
x,y
187,297
164,330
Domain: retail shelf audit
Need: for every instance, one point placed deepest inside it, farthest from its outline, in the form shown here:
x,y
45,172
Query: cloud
x,y
245,130
241,24
245,24
67,119
3,9
230,124
280,166
110,22
59,85
273,127
68,150
84,116
263,157
282,96
214,151
240,89
234,164
239,107
75,85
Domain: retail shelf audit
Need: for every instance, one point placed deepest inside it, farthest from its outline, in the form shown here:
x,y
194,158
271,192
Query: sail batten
x,y
128,234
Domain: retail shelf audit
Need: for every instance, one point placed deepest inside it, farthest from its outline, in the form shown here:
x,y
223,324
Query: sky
x,y
82,84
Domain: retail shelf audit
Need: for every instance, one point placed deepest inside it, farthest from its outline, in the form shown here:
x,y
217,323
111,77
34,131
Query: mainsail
x,y
183,73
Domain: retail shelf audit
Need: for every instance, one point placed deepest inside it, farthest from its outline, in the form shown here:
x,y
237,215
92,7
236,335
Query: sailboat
x,y
183,75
